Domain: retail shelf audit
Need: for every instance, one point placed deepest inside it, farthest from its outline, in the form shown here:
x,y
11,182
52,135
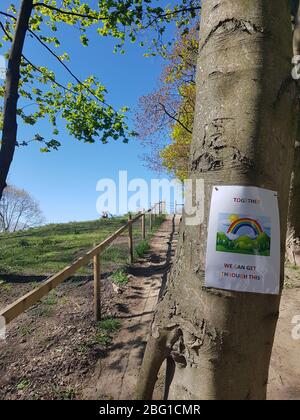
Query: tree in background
x,y
18,210
218,343
175,156
293,233
80,104
164,121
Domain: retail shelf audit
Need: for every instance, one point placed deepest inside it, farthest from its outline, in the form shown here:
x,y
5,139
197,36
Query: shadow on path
x,y
115,376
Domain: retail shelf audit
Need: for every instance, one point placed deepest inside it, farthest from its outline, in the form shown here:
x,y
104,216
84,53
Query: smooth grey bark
x,y
244,131
9,130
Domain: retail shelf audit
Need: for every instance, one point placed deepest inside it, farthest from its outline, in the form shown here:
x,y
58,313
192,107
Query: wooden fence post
x,y
130,239
97,288
150,220
143,225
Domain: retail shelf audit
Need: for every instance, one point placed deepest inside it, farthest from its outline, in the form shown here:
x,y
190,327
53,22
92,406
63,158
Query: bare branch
x,y
18,210
173,117
173,13
8,15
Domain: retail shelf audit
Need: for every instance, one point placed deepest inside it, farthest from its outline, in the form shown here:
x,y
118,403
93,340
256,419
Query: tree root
x,y
158,349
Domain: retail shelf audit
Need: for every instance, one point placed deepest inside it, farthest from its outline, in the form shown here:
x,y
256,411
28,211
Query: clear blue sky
x,y
64,181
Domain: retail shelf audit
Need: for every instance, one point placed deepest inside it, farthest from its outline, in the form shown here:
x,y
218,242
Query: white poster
x,y
243,243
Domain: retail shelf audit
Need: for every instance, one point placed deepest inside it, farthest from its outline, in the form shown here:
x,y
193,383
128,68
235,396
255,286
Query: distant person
x,y
105,215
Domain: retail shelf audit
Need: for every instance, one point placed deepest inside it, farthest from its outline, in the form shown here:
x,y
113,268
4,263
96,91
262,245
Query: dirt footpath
x,y
115,376
284,378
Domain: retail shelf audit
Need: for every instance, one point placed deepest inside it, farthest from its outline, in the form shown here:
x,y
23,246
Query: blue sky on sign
x,y
225,221
64,181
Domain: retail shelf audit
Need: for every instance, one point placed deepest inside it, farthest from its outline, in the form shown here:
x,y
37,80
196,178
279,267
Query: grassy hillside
x,y
46,250
244,245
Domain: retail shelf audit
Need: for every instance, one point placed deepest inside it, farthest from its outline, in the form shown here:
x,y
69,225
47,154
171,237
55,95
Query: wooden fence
x,y
25,302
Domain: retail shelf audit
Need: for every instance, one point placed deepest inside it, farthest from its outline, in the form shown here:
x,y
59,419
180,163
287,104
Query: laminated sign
x,y
243,243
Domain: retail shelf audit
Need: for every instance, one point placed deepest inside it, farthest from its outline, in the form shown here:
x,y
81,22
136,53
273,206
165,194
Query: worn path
x,y
284,378
115,376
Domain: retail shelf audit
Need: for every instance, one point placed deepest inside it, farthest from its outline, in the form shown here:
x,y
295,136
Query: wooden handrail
x,y
29,299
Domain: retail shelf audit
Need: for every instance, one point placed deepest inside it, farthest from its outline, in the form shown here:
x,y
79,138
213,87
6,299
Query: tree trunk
x,y
220,342
293,235
9,130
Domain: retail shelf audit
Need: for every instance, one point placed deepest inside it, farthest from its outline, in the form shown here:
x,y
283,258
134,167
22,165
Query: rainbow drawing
x,y
245,222
243,234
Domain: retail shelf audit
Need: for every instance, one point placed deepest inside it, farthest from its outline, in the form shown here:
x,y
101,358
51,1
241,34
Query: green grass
x,y
23,384
48,249
244,244
101,338
51,298
64,393
104,330
142,248
5,286
157,222
109,325
120,277
25,330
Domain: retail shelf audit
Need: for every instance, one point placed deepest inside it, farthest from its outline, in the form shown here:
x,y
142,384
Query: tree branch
x,y
8,15
47,76
92,17
174,12
66,67
68,12
174,118
35,67
55,56
5,31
